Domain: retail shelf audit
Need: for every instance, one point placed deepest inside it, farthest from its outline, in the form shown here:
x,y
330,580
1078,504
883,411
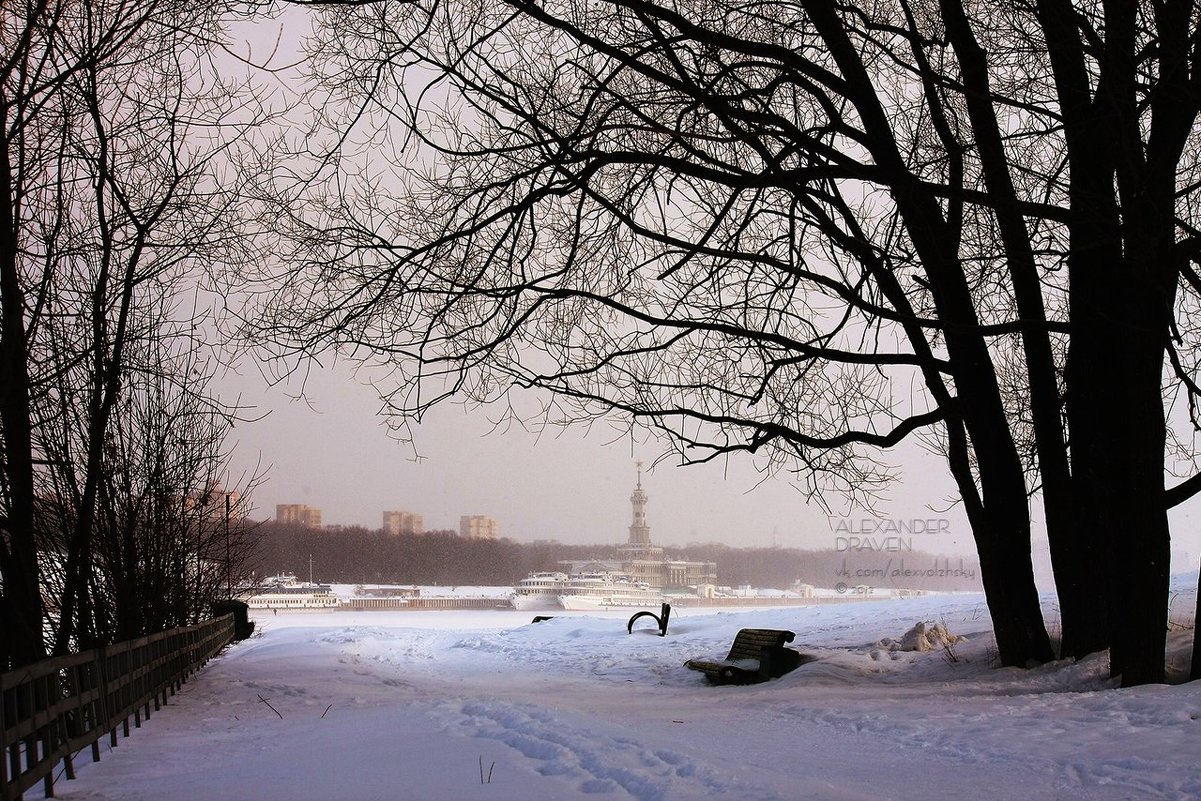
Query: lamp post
x,y
229,576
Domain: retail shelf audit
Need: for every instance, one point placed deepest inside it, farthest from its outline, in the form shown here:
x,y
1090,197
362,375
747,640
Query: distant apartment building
x,y
398,522
215,502
298,513
479,527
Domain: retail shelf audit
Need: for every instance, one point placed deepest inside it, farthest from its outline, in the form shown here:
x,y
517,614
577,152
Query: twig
x,y
327,709
490,769
273,709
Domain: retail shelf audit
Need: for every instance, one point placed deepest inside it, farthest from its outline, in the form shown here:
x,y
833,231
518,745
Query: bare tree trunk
x,y
1122,472
1078,585
1001,526
1002,533
22,602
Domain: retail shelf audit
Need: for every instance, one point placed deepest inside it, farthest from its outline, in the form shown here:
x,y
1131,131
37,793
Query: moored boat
x,y
607,590
285,592
539,591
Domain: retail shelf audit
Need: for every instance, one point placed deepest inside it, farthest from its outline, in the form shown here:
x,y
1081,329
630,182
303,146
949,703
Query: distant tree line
x,y
362,556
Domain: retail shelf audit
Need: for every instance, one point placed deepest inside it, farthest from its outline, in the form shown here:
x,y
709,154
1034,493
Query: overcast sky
x,y
333,451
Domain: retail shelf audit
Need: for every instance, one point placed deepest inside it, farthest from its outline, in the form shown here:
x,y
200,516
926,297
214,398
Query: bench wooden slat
x,y
749,642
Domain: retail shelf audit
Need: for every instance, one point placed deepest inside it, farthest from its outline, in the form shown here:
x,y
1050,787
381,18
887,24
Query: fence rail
x,y
55,708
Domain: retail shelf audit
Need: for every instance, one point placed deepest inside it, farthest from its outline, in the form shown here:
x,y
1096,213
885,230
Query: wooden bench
x,y
756,655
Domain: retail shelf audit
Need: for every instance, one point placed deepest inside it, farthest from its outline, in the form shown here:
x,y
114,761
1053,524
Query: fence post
x,y
12,757
4,794
100,710
45,732
70,720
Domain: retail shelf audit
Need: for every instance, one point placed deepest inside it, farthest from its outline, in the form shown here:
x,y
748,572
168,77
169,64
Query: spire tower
x,y
640,532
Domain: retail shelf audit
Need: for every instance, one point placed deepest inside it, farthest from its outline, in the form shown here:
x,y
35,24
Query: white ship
x,y
539,591
285,592
606,590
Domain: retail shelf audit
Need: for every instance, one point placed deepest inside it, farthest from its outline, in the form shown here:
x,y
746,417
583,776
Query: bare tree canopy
x,y
118,184
804,230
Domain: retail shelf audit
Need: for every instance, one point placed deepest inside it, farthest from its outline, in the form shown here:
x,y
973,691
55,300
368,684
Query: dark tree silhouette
x,y
800,230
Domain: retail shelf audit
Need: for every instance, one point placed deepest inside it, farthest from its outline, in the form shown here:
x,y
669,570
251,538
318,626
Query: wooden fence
x,y
55,708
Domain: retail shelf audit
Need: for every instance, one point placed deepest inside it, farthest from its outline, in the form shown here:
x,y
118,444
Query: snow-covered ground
x,y
486,705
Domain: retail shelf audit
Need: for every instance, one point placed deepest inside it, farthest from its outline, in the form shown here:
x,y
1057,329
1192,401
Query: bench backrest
x,y
750,642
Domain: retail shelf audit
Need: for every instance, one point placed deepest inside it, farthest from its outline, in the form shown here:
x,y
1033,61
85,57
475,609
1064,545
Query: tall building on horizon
x,y
401,522
643,560
298,513
640,532
479,527
638,546
216,501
